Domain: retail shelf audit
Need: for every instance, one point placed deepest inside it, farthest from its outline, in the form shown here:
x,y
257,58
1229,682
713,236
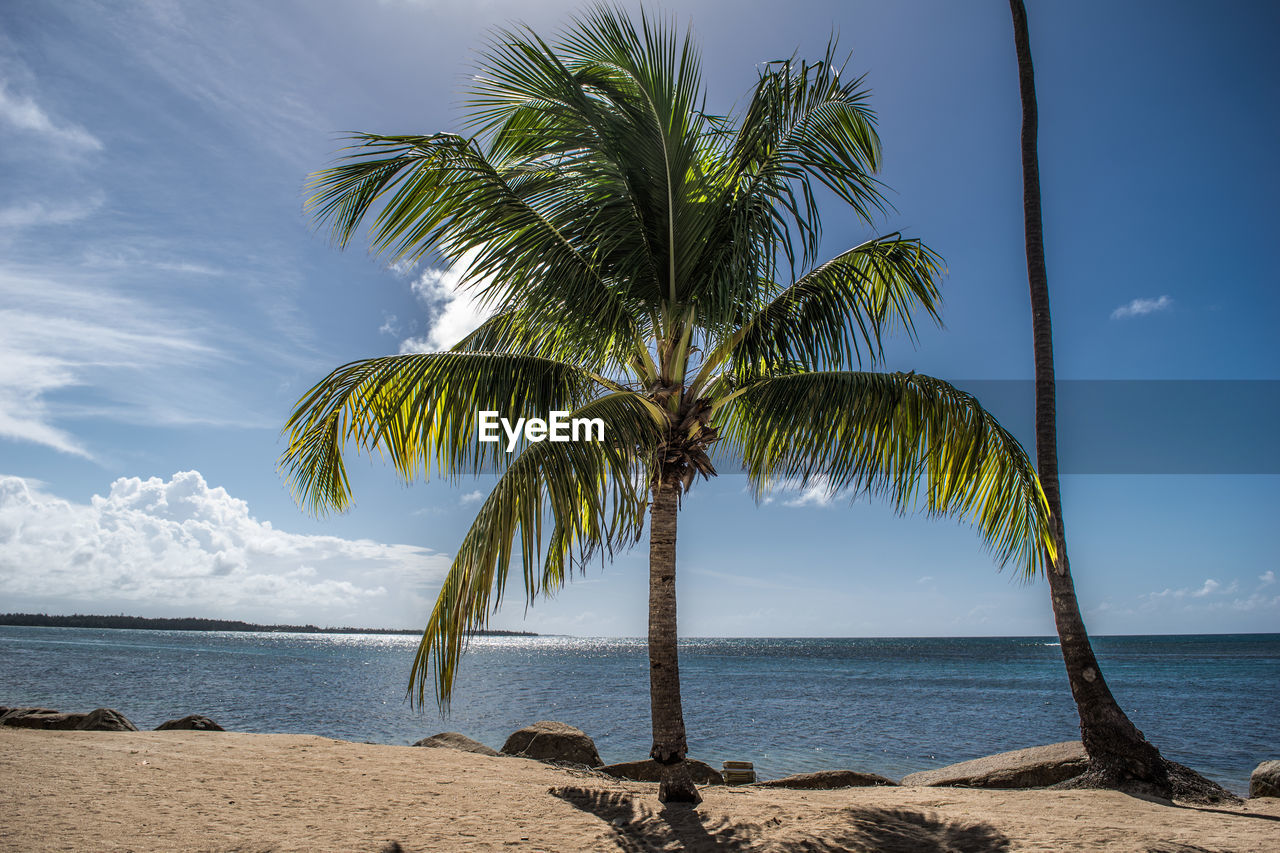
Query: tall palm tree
x,y
1119,756
639,255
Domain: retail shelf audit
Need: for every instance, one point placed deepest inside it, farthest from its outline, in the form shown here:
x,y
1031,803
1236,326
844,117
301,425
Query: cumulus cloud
x,y
1210,587
180,547
472,497
1266,578
817,493
1142,307
22,113
454,310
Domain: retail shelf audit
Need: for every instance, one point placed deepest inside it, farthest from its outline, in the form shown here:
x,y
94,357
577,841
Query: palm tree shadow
x,y
640,829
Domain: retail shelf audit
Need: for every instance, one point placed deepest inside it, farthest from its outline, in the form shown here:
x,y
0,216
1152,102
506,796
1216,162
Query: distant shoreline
x,y
42,620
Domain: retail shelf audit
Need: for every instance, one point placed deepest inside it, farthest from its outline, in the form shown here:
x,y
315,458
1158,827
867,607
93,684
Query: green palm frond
x,y
842,310
588,496
418,411
806,121
917,441
518,226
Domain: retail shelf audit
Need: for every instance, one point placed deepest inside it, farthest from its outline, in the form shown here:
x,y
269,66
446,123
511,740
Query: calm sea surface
x,y
891,706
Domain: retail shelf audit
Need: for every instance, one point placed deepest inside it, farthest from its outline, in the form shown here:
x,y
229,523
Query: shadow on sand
x,y
640,828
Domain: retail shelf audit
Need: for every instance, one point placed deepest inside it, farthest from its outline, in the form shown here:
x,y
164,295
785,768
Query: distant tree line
x,y
191,623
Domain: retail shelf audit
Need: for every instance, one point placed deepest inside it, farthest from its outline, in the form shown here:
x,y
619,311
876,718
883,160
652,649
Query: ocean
x,y
790,705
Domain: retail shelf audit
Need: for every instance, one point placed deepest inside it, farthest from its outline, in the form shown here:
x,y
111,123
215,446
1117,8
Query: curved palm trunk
x,y
669,747
1119,756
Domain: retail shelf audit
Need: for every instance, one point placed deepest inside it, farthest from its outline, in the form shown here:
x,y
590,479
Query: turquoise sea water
x,y
890,706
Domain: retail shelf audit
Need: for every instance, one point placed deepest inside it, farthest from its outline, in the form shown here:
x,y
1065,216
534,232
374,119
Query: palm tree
x,y
639,255
1119,756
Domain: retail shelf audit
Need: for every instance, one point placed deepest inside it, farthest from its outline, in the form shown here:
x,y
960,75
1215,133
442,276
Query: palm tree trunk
x,y
669,747
1119,756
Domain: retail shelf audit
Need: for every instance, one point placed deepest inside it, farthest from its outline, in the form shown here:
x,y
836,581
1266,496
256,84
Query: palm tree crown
x,y
654,265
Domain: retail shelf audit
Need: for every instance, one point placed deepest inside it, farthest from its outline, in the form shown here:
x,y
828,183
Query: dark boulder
x,y
553,742
454,740
190,723
40,718
651,771
1034,767
105,720
825,780
1265,780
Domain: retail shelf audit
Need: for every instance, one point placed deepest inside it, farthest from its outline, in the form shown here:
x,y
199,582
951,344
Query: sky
x,y
164,301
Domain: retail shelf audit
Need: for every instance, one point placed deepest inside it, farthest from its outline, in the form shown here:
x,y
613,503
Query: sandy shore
x,y
169,791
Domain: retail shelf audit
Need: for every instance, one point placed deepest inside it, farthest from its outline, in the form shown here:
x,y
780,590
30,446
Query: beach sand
x,y
197,791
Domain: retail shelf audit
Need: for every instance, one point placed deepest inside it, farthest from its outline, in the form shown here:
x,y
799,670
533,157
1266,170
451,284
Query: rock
x,y
454,740
40,718
651,771
105,720
190,723
1265,780
553,742
825,780
1034,767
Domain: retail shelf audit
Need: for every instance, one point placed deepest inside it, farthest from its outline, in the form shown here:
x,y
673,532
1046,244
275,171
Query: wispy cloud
x,y
22,113
65,331
184,46
472,497
180,546
745,580
32,213
1267,578
1142,307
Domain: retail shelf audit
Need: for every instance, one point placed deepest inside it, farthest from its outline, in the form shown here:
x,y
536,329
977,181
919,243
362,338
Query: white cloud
x,y
180,547
1142,307
818,493
32,213
85,342
1267,577
455,312
24,114
59,335
1210,586
472,497
1256,602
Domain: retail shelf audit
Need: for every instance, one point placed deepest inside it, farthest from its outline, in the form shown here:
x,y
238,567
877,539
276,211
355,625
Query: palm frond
x,y
840,312
805,121
418,411
518,226
589,496
917,441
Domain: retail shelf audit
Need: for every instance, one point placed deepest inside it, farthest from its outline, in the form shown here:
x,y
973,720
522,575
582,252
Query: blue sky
x,y
164,301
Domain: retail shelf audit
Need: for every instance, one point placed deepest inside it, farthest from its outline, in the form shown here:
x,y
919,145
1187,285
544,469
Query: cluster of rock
x,y
567,746
1034,767
564,745
97,720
